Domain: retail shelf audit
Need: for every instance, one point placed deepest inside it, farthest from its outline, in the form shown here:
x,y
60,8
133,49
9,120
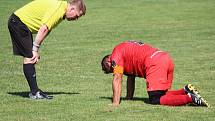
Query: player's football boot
x,y
195,95
40,95
191,89
198,100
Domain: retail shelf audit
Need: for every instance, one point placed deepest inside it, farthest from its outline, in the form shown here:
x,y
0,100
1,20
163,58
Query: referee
x,y
38,17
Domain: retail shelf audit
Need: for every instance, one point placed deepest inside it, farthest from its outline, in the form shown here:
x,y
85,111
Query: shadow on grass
x,y
145,100
25,93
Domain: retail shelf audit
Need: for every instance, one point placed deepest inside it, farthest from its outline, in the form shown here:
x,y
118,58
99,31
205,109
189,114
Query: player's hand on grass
x,y
115,104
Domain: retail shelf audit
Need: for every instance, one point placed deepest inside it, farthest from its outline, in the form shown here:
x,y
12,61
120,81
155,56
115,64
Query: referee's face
x,y
73,14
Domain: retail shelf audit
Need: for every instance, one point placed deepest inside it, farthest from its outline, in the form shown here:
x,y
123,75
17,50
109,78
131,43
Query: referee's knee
x,y
28,61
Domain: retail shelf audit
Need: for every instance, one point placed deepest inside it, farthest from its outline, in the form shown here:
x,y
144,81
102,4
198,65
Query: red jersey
x,y
131,58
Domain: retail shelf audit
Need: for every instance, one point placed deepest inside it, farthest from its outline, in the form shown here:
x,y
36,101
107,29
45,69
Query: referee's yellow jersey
x,y
40,12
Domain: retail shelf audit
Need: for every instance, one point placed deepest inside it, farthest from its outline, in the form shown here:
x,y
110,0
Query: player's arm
x,y
41,34
130,87
116,86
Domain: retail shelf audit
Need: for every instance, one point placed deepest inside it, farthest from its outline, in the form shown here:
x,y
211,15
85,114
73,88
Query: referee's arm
x,y
41,34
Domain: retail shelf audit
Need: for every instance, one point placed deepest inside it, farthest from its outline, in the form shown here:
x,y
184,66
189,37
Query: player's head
x,y
106,64
75,9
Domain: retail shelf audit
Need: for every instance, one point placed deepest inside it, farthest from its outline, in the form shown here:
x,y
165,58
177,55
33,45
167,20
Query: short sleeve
x,y
118,69
117,61
53,16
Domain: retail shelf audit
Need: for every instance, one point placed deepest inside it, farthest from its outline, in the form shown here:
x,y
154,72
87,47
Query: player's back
x,y
134,56
134,50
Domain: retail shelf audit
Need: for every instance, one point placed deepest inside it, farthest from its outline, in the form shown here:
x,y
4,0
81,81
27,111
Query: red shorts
x,y
159,72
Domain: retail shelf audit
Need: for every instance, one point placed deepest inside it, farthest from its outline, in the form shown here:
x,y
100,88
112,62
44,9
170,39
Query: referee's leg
x,y
22,45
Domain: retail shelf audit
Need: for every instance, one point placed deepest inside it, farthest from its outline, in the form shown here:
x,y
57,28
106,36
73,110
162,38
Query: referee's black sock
x,y
30,75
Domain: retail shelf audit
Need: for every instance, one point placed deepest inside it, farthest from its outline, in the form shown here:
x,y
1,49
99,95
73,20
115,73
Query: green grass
x,y
69,68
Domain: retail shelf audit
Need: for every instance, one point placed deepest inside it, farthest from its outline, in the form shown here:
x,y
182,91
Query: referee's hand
x,y
36,57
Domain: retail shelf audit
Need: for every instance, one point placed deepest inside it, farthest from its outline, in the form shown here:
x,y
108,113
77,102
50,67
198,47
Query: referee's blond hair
x,y
80,5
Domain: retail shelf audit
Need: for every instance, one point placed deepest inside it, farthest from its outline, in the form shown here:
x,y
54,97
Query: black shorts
x,y
154,96
21,37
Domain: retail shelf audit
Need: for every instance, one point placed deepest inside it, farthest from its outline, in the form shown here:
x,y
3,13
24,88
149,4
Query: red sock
x,y
175,100
176,92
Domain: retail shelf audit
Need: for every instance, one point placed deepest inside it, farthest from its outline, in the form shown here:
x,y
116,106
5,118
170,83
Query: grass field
x,y
69,68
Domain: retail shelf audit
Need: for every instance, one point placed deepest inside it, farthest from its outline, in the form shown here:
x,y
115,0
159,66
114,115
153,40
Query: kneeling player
x,y
136,59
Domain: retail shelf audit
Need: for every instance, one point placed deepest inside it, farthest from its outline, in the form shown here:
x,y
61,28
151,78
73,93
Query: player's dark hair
x,y
103,63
